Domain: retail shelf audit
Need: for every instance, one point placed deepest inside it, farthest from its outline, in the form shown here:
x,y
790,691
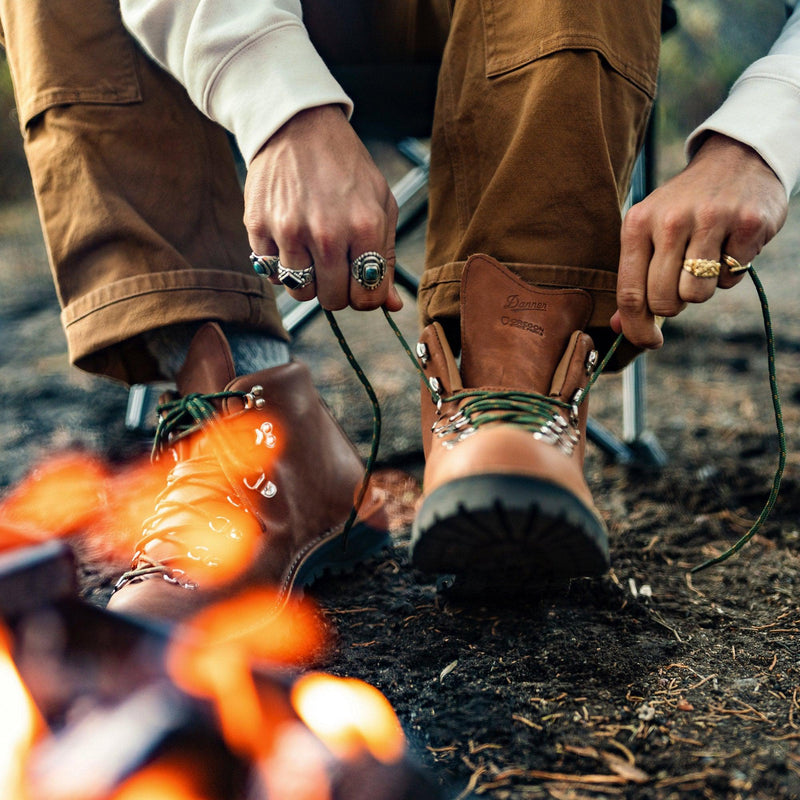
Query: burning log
x,y
123,710
35,577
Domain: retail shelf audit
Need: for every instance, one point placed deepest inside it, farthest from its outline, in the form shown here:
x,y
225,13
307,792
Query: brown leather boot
x,y
505,500
263,475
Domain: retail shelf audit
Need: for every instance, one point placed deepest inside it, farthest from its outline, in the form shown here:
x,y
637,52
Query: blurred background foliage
x,y
14,178
701,58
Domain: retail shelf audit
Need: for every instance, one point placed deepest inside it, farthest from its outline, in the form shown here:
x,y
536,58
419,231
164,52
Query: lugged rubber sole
x,y
332,556
511,532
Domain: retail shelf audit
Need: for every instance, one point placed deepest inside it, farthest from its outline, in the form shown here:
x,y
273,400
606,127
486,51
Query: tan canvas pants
x,y
541,108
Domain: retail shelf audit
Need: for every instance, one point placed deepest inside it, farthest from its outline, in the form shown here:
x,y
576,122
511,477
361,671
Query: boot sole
x,y
509,532
333,557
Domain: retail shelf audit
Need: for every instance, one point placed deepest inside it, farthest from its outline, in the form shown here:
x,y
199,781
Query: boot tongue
x,y
209,364
514,334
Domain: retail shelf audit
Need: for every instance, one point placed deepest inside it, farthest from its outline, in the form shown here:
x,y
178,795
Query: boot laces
x,y
174,519
531,410
547,418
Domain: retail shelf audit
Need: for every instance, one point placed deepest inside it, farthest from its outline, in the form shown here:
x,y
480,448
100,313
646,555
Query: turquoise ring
x,y
369,270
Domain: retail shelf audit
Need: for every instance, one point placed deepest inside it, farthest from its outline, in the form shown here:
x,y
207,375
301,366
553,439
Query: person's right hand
x,y
314,194
726,201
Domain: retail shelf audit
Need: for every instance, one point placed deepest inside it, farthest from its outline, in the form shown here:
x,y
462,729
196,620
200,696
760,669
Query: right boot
x,y
505,502
262,468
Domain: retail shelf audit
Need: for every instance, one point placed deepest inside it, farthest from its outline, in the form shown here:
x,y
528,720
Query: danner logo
x,y
523,324
515,303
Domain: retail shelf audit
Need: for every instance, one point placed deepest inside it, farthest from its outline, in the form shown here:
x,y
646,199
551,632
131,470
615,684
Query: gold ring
x,y
702,267
735,266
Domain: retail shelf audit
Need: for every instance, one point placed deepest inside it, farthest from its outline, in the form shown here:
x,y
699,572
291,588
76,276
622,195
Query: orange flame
x,y
214,655
225,492
298,768
20,728
130,499
56,499
349,716
161,782
77,494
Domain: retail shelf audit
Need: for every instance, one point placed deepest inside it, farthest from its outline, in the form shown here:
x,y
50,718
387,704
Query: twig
x,y
705,680
688,778
562,777
526,721
473,782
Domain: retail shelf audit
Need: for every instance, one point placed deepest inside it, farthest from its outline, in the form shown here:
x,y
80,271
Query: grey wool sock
x,y
252,350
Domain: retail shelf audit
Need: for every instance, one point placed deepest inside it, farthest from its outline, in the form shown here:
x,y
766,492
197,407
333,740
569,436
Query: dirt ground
x,y
649,683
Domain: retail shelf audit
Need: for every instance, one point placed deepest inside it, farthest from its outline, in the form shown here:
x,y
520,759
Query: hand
x,y
727,200
314,194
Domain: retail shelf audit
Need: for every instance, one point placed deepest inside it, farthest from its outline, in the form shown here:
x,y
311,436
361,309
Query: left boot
x,y
505,500
261,487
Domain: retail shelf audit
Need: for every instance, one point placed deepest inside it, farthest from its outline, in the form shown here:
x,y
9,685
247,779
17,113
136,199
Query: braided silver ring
x,y
369,270
295,278
265,265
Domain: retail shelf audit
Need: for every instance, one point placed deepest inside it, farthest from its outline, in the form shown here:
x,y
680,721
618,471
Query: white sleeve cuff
x,y
265,81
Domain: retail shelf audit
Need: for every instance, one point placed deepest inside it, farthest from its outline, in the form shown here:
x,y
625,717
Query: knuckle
x,y
666,308
302,295
289,230
256,225
673,228
695,294
637,223
368,224
707,217
326,243
333,304
631,299
751,223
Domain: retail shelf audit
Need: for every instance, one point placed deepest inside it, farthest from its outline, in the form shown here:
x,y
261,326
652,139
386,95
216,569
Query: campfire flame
x,y
349,716
161,782
75,494
78,495
20,728
231,654
57,499
214,656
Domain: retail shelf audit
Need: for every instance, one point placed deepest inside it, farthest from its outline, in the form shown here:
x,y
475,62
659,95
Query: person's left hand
x,y
726,201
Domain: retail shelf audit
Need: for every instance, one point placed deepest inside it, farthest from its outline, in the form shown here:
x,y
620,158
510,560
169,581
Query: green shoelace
x,y
776,406
532,410
183,416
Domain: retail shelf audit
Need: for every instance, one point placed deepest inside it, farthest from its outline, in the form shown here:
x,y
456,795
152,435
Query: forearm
x,y
249,66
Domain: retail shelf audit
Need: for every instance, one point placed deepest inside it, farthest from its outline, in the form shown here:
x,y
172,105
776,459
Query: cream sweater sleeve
x,y
763,108
247,64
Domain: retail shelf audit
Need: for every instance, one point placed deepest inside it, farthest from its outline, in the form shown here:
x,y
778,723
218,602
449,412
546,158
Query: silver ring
x,y
369,270
296,278
265,265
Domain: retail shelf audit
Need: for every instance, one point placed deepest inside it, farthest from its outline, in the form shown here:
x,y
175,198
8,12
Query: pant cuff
x,y
101,325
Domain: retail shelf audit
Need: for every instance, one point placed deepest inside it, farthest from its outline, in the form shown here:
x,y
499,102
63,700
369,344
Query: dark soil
x,y
649,683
